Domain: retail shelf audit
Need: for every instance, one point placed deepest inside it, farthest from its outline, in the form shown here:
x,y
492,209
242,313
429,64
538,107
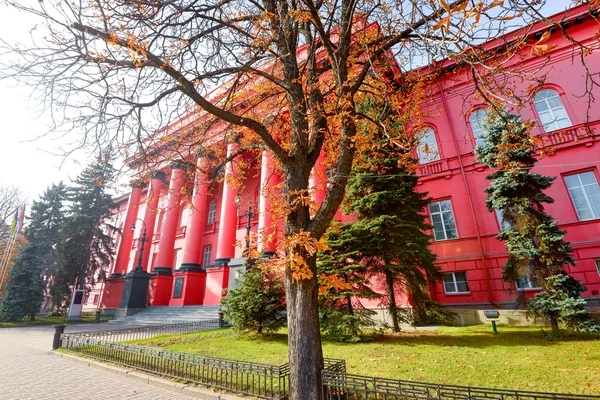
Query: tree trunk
x,y
391,297
304,340
554,324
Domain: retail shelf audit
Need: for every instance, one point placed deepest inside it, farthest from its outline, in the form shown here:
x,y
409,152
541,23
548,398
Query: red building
x,y
191,251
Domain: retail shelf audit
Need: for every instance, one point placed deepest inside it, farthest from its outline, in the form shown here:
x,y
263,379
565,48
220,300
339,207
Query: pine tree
x,y
535,245
39,258
257,303
388,237
88,245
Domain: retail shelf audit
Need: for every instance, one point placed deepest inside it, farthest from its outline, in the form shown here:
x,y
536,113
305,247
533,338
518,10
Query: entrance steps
x,y
161,315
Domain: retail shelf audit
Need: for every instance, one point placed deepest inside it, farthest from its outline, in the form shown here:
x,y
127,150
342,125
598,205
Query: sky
x,y
28,158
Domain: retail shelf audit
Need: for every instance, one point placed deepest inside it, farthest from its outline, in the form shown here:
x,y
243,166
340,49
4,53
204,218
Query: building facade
x,y
190,248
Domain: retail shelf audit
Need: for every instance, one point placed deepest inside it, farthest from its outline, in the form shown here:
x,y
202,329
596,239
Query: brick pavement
x,y
27,371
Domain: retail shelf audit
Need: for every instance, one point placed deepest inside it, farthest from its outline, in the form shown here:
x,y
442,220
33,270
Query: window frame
x,y
562,97
529,281
436,139
442,217
588,203
211,215
478,140
184,216
177,259
500,219
597,263
455,282
204,254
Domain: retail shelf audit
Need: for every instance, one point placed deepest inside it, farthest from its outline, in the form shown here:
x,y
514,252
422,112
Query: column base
x,y
221,262
190,267
115,275
167,271
188,288
160,289
217,279
112,293
135,290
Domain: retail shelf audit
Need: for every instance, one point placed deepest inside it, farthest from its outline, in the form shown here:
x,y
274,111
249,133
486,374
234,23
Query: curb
x,y
188,390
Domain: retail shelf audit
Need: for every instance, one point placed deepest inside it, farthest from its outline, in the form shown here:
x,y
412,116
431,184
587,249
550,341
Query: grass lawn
x,y
517,358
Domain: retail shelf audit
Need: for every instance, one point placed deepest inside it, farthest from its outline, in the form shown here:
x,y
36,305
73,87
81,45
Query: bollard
x,y
494,329
58,331
221,321
97,320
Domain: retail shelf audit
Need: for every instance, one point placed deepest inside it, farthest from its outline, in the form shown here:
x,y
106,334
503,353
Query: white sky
x,y
26,161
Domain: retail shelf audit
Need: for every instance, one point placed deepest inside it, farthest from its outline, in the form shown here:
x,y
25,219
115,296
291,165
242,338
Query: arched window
x,y
477,121
551,111
212,212
427,148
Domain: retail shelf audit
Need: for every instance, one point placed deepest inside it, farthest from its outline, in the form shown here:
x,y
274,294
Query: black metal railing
x,y
342,386
256,379
86,317
145,332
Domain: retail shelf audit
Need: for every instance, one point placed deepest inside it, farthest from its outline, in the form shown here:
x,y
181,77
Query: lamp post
x,y
249,214
143,240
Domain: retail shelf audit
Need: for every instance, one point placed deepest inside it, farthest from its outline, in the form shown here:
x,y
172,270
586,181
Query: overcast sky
x,y
26,159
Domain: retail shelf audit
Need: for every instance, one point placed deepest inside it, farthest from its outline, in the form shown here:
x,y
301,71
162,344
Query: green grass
x,y
517,358
50,320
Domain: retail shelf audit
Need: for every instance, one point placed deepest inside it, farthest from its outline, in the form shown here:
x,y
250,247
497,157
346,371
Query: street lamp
x,y
249,214
143,240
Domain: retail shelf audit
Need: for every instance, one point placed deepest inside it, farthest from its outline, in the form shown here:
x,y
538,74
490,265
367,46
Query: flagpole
x,y
7,256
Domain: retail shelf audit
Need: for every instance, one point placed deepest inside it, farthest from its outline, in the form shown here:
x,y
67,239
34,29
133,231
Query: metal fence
x,y
145,332
256,379
341,386
86,317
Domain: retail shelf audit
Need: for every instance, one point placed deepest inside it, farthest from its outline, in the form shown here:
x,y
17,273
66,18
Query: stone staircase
x,y
162,315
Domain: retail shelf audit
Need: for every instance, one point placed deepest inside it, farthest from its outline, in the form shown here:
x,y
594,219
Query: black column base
x,y
190,267
115,276
268,254
221,262
135,290
162,271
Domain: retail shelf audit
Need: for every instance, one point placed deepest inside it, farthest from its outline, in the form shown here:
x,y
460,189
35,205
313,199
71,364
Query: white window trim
x,y
529,286
478,139
429,156
597,262
204,253
212,212
585,196
178,259
551,111
456,291
431,213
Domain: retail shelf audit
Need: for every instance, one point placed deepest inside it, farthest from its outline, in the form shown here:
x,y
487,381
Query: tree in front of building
x,y
87,243
37,259
535,244
257,303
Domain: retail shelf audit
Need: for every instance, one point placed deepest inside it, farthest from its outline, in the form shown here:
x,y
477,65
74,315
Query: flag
x,y
21,220
13,227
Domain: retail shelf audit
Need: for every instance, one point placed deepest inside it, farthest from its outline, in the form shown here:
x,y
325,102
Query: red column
x,y
266,223
195,230
166,247
152,197
228,221
127,235
318,180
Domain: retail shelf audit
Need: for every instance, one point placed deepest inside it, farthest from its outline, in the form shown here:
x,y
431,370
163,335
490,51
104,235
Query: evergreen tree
x,y
88,245
535,245
39,258
257,303
388,237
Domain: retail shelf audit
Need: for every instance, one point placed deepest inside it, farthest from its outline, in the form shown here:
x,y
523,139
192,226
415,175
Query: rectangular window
x,y
442,219
456,282
528,282
178,254
501,221
96,299
212,212
585,194
597,265
184,216
206,259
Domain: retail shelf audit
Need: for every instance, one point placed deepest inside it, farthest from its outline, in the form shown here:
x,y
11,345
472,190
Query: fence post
x,y
97,320
221,320
58,331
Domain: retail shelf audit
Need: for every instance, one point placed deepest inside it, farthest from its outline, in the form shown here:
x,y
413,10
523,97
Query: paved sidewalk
x,y
27,371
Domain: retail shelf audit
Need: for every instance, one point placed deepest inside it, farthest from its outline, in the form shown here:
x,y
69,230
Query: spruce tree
x,y
88,245
389,237
41,257
534,242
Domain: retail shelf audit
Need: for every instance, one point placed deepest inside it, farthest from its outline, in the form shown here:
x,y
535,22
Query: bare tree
x,y
11,200
119,71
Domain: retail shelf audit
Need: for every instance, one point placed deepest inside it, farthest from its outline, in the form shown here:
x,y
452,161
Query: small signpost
x,y
76,304
493,315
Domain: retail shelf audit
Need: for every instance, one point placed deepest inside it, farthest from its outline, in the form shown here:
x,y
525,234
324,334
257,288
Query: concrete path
x,y
27,371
